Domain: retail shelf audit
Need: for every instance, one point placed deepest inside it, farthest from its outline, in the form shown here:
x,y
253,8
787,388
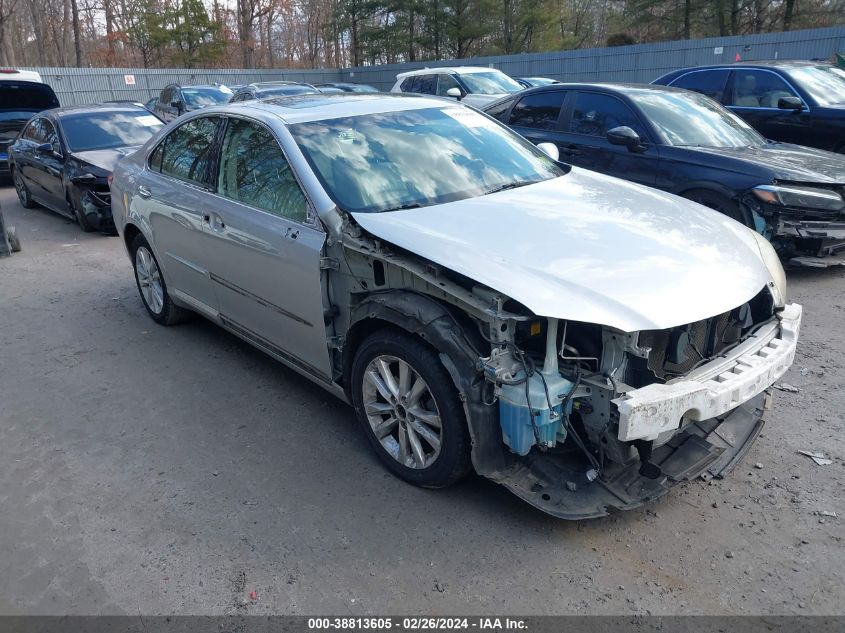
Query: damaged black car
x,y
63,158
686,143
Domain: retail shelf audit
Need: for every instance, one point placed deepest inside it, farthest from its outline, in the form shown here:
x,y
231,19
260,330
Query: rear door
x,y
590,115
537,116
265,245
753,94
174,193
712,82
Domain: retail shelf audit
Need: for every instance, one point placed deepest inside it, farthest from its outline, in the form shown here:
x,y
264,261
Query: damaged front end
x,y
579,419
597,419
92,199
806,224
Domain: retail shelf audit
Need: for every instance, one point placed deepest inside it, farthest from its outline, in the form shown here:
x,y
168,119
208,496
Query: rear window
x,y
26,96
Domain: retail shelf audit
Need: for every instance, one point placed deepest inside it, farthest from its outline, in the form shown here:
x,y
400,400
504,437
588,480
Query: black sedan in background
x,y
791,101
686,143
63,158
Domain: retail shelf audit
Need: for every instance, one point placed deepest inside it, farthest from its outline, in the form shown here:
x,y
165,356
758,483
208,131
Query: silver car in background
x,y
584,341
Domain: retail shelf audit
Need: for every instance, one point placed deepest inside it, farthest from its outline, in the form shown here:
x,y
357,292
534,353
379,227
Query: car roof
x,y
97,107
316,107
620,87
460,70
780,64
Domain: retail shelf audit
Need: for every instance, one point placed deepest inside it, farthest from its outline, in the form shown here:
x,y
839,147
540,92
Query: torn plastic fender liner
x,y
715,388
431,320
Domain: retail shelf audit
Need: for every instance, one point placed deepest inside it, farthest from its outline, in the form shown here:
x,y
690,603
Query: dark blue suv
x,y
800,102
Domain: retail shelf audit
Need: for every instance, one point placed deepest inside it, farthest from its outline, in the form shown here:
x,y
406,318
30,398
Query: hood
x,y
789,162
589,247
104,158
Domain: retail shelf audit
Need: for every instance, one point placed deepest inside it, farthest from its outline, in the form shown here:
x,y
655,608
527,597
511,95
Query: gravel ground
x,y
177,470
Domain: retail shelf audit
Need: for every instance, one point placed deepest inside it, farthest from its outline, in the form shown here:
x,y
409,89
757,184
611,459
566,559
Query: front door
x,y
753,94
585,143
266,247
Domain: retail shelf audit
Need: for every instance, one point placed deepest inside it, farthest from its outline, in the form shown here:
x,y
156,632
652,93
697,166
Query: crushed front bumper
x,y
96,205
716,388
555,482
828,239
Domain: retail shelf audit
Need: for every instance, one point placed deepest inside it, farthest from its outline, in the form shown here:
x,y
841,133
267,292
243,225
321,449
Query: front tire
x,y
80,216
151,285
24,196
410,411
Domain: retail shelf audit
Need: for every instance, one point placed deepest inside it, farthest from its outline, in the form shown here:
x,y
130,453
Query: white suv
x,y
475,86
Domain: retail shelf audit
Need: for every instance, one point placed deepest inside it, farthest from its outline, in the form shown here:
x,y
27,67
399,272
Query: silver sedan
x,y
584,341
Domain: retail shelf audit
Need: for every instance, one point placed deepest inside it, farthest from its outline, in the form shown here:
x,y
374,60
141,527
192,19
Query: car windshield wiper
x,y
401,207
510,185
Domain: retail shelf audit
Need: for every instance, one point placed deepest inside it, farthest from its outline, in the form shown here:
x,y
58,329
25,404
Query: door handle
x,y
144,192
215,222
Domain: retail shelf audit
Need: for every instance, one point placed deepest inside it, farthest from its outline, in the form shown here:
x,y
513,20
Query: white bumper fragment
x,y
715,388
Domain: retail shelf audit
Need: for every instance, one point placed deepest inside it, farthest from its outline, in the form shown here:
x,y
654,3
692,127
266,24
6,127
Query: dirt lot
x,y
176,470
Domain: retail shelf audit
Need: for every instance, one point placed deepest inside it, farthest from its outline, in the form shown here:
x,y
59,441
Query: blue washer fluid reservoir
x,y
515,418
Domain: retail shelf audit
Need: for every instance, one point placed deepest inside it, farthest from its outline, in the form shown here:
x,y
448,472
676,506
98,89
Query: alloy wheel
x,y
402,412
149,279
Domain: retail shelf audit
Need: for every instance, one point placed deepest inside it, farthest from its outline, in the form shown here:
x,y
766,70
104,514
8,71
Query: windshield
x,y
489,83
825,83
202,97
107,130
692,119
416,158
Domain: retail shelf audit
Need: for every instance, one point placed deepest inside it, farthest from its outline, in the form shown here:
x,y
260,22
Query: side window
x,y
34,131
758,89
444,83
409,84
166,96
50,134
254,171
426,84
594,114
707,82
188,150
499,110
540,110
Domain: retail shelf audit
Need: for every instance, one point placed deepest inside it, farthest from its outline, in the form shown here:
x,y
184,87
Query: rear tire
x,y
410,411
718,202
151,285
24,196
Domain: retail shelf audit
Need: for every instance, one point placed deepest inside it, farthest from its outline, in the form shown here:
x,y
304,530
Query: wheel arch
x,y
130,232
458,347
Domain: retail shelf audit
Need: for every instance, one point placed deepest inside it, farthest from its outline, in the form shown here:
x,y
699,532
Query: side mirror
x,y
455,93
49,148
623,135
176,103
550,150
790,103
